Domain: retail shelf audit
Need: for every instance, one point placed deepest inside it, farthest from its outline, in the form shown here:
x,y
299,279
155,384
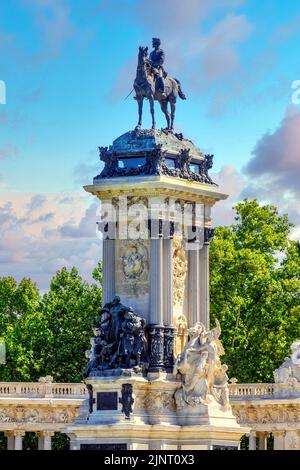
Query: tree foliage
x,y
47,335
255,290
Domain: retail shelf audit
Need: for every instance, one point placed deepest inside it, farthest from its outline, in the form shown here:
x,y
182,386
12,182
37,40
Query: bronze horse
x,y
145,87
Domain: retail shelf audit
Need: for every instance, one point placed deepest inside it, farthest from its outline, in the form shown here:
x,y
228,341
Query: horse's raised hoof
x,y
154,126
138,127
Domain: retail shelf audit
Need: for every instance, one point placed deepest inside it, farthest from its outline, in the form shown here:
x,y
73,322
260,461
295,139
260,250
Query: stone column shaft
x,y
44,440
252,440
278,440
156,280
168,281
193,287
15,440
262,441
108,279
18,442
155,327
204,284
10,441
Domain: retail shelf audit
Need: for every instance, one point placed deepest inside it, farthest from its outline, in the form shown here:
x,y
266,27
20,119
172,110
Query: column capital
x,y
45,433
15,433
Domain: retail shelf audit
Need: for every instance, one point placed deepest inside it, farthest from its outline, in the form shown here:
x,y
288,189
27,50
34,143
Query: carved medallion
x,y
134,261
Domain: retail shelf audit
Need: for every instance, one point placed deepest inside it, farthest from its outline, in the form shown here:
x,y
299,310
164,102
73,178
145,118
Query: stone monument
x,y
154,376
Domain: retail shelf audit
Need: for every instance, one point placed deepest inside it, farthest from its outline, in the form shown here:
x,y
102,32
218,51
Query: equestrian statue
x,y
152,82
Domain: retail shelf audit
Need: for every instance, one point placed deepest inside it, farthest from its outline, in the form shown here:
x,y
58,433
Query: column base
x,y
169,348
156,348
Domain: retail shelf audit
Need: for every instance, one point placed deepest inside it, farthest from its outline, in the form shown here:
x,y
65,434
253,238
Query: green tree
x,y
255,290
68,311
48,335
18,304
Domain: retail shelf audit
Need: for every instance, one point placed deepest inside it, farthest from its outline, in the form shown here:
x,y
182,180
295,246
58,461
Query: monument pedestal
x,y
155,422
156,198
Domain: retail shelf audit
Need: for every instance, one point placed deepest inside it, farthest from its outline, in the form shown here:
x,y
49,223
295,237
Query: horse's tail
x,y
180,92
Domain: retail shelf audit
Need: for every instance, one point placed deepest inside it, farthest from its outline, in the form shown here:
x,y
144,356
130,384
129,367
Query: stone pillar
x,y
168,304
156,281
278,440
193,287
156,328
204,280
44,440
168,281
108,279
262,441
15,440
10,440
252,440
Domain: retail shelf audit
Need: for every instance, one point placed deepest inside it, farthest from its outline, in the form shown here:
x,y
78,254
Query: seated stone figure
x,y
203,376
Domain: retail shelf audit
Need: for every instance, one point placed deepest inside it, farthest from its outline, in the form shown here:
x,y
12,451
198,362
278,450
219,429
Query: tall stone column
x,y
252,440
44,440
156,281
278,440
156,329
169,330
193,287
108,275
204,279
168,281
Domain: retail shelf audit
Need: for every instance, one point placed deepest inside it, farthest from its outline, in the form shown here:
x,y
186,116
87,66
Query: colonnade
x,y
15,439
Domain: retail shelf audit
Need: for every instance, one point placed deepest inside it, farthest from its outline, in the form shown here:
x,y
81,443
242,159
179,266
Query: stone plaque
x,y
107,401
216,447
103,447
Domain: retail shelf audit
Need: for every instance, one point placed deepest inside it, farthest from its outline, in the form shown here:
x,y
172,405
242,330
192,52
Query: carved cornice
x,y
155,164
266,414
35,414
154,192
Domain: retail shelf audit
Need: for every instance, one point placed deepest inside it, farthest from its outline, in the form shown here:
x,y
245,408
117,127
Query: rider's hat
x,y
156,40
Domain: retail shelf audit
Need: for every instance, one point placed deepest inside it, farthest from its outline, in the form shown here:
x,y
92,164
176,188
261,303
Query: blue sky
x,y
68,65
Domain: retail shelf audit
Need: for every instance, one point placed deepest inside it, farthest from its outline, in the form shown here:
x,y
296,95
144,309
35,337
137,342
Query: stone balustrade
x,y
40,390
250,391
43,407
46,407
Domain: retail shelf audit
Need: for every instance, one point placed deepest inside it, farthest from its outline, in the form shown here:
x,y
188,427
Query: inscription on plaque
x,y
103,447
107,401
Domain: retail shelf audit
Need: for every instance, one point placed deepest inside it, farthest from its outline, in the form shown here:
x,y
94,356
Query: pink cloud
x,y
26,249
230,182
276,155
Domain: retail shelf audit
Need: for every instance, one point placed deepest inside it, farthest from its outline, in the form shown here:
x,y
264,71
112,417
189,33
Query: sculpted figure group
x,y
202,373
119,340
120,343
